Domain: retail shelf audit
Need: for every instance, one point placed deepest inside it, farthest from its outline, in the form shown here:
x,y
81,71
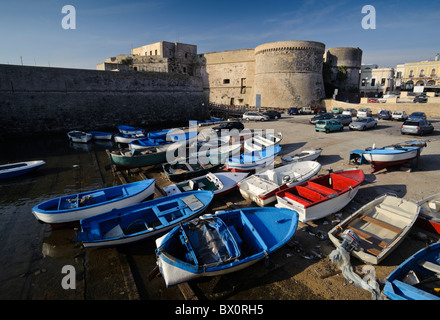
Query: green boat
x,y
126,158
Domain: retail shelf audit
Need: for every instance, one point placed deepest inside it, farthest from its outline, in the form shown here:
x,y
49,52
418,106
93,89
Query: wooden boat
x,y
11,170
381,225
309,154
223,243
262,187
191,167
321,196
130,130
127,137
162,144
263,141
90,203
429,216
79,136
220,183
126,158
216,150
253,160
99,135
417,278
145,220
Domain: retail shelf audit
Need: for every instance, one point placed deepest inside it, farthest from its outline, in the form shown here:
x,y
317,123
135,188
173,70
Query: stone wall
x,y
56,100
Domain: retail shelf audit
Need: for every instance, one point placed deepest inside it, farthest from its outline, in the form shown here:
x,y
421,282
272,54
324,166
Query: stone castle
x,y
279,74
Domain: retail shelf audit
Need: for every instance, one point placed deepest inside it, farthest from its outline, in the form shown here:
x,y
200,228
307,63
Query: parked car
x,y
319,110
421,98
364,112
337,110
363,123
252,115
385,97
321,116
345,119
417,116
384,115
306,110
420,127
272,114
399,115
228,126
328,126
350,111
294,110
372,100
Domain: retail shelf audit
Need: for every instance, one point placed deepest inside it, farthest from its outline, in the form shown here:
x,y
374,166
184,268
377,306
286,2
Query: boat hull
x,y
253,161
17,169
380,160
44,214
429,216
79,137
304,155
137,160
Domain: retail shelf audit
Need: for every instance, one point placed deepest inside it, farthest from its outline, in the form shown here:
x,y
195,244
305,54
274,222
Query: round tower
x,y
289,73
347,58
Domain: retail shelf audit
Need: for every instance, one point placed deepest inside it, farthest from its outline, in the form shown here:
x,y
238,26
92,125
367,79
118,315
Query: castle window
x,y
225,81
422,73
382,82
373,82
155,52
433,72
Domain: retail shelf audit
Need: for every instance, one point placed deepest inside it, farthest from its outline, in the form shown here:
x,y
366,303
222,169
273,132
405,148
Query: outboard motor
x,y
351,241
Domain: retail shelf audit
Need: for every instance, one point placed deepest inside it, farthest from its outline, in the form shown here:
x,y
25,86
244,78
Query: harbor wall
x,y
40,100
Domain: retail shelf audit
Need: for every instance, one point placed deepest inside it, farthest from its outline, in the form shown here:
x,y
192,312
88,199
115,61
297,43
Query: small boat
x,y
145,220
262,187
128,137
321,196
223,243
149,142
11,170
253,160
429,216
191,167
220,183
187,137
381,225
130,130
126,158
309,154
216,149
263,141
79,136
417,278
160,134
99,135
86,204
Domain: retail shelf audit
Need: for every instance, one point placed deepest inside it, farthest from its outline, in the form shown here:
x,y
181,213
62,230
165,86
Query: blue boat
x,y
161,134
418,278
11,170
100,135
78,206
130,130
253,160
145,220
222,243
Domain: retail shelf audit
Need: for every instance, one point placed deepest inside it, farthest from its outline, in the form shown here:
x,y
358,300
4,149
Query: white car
x,y
363,123
350,111
385,97
364,112
251,115
399,115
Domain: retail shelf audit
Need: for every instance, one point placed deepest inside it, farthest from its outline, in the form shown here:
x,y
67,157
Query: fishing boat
x,y
216,149
11,170
191,167
162,143
160,134
309,154
100,135
262,187
262,141
381,225
321,196
79,136
429,216
126,158
90,203
145,220
128,137
220,183
252,160
223,243
130,130
417,278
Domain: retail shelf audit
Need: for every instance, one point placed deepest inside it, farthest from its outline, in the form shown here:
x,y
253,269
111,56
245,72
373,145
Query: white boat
x,y
429,216
264,141
253,160
130,130
11,170
127,138
220,183
262,187
381,225
79,136
308,154
321,196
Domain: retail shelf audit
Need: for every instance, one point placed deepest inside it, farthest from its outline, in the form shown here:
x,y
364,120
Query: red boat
x,y
429,216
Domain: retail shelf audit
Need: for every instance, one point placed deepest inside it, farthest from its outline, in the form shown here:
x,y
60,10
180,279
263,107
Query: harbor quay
x,y
42,262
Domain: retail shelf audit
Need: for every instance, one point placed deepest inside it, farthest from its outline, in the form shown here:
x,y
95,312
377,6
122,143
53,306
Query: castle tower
x,y
349,58
289,73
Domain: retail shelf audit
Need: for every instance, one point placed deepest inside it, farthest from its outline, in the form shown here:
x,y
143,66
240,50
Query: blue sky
x,y
406,31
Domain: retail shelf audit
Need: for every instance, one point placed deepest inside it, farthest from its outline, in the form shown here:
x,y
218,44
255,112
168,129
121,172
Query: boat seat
x,y
309,194
320,188
295,198
430,266
95,230
340,182
253,231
